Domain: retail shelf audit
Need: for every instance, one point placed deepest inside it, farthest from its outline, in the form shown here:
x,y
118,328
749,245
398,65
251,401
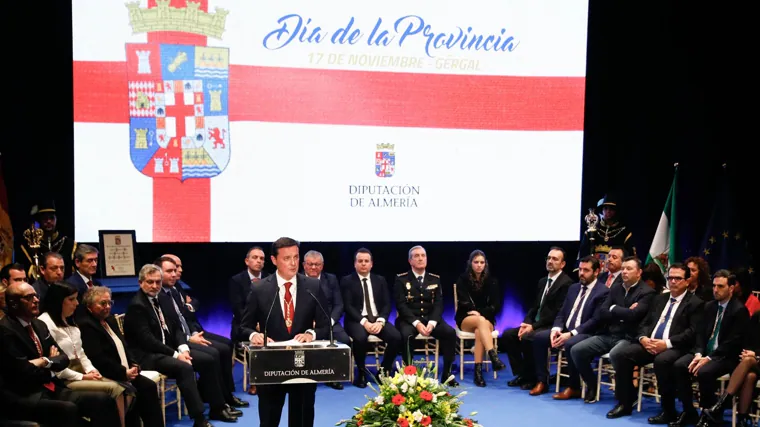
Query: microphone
x,y
329,319
266,323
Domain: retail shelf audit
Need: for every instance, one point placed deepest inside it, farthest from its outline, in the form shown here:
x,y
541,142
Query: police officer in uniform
x,y
419,301
610,232
52,241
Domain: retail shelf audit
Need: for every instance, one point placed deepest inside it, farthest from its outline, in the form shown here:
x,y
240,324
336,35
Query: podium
x,y
295,363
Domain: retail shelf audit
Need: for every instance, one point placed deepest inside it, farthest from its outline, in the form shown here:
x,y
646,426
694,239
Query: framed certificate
x,y
117,253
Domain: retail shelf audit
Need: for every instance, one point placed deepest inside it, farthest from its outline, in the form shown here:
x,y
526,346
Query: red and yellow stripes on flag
x,y
6,231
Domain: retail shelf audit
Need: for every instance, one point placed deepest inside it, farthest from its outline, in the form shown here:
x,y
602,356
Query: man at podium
x,y
285,306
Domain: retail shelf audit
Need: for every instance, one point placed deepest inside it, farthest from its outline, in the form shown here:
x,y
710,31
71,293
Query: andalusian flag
x,y
6,231
663,250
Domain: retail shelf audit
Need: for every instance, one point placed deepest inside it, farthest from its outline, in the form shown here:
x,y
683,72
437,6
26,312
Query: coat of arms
x,y
385,160
299,359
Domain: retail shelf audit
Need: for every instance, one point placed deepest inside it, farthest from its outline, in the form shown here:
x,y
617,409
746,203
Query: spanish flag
x,y
6,231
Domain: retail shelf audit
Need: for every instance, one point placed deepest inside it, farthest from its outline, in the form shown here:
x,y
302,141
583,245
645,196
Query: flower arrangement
x,y
411,398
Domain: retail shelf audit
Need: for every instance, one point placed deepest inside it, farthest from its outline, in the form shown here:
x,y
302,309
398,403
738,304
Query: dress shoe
x,y
234,412
567,394
360,380
237,403
619,411
687,418
743,420
222,414
252,390
479,380
336,386
202,422
662,418
540,388
447,373
516,381
527,385
590,395
714,414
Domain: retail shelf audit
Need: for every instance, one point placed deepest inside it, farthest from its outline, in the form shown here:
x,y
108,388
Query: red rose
x,y
398,400
403,422
360,422
468,421
425,421
410,370
426,395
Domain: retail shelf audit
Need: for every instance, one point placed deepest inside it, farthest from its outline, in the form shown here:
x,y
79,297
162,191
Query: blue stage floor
x,y
497,405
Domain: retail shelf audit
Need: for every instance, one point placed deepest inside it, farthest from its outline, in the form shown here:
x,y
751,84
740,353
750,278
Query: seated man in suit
x,y
286,306
240,286
104,345
215,347
716,353
156,339
667,332
29,356
368,306
576,321
51,271
419,302
86,265
518,342
313,263
614,267
620,316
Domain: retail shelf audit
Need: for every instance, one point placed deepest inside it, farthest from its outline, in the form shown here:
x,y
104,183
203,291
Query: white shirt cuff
x,y
381,320
332,322
313,334
183,348
670,345
612,306
415,323
363,321
432,322
175,355
556,329
574,332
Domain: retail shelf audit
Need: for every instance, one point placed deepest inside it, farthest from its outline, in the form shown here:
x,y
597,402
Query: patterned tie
x,y
541,304
609,280
660,332
289,308
160,315
172,294
50,386
577,309
716,330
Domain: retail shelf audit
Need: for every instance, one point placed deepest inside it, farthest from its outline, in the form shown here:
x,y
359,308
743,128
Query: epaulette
x,y
402,274
434,275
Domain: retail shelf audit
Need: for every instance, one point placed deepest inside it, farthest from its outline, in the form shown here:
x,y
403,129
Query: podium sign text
x,y
311,363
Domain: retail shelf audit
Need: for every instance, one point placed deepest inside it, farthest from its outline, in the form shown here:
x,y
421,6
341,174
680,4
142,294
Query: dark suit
x,y
353,295
541,316
102,352
685,322
423,303
239,288
617,281
619,323
79,284
328,283
723,359
27,381
155,350
221,347
307,316
588,313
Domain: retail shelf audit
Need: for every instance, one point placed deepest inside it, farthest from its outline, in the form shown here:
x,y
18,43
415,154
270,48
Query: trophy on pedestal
x,y
592,220
33,236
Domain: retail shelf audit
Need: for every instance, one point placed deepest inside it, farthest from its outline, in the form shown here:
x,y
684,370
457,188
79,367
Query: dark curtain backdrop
x,y
662,87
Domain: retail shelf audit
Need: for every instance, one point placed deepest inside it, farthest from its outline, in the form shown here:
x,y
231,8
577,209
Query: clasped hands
x,y
373,328
746,355
653,346
425,330
558,338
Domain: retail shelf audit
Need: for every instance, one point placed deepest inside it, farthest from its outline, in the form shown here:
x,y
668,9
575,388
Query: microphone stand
x,y
329,319
266,324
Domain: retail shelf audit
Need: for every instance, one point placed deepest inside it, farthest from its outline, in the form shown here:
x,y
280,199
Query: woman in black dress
x,y
742,382
478,301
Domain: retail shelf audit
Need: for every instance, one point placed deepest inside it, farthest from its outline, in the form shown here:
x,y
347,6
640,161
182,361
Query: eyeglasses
x,y
29,297
314,264
105,303
675,278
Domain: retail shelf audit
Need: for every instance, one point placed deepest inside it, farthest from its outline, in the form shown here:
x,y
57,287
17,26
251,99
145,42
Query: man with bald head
x,y
29,358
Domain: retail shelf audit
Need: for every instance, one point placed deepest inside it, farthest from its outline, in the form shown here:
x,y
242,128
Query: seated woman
x,y
742,382
652,276
60,305
106,348
478,301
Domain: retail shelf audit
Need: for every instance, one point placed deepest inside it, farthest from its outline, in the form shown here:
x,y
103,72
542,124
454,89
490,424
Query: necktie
x,y
541,304
367,303
577,309
608,283
253,281
658,334
185,328
50,386
160,315
716,330
89,284
289,309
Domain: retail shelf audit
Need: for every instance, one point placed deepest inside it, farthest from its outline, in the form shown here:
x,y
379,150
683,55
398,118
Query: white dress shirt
x,y
251,276
371,300
549,285
417,280
293,288
578,308
69,339
85,279
723,304
666,332
183,348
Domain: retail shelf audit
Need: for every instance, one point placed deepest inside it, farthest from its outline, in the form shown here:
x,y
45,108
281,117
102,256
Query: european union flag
x,y
724,244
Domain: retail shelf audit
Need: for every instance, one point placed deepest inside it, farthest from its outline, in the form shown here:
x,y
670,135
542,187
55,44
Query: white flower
x,y
379,400
393,387
411,380
404,387
402,408
417,415
435,398
433,382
